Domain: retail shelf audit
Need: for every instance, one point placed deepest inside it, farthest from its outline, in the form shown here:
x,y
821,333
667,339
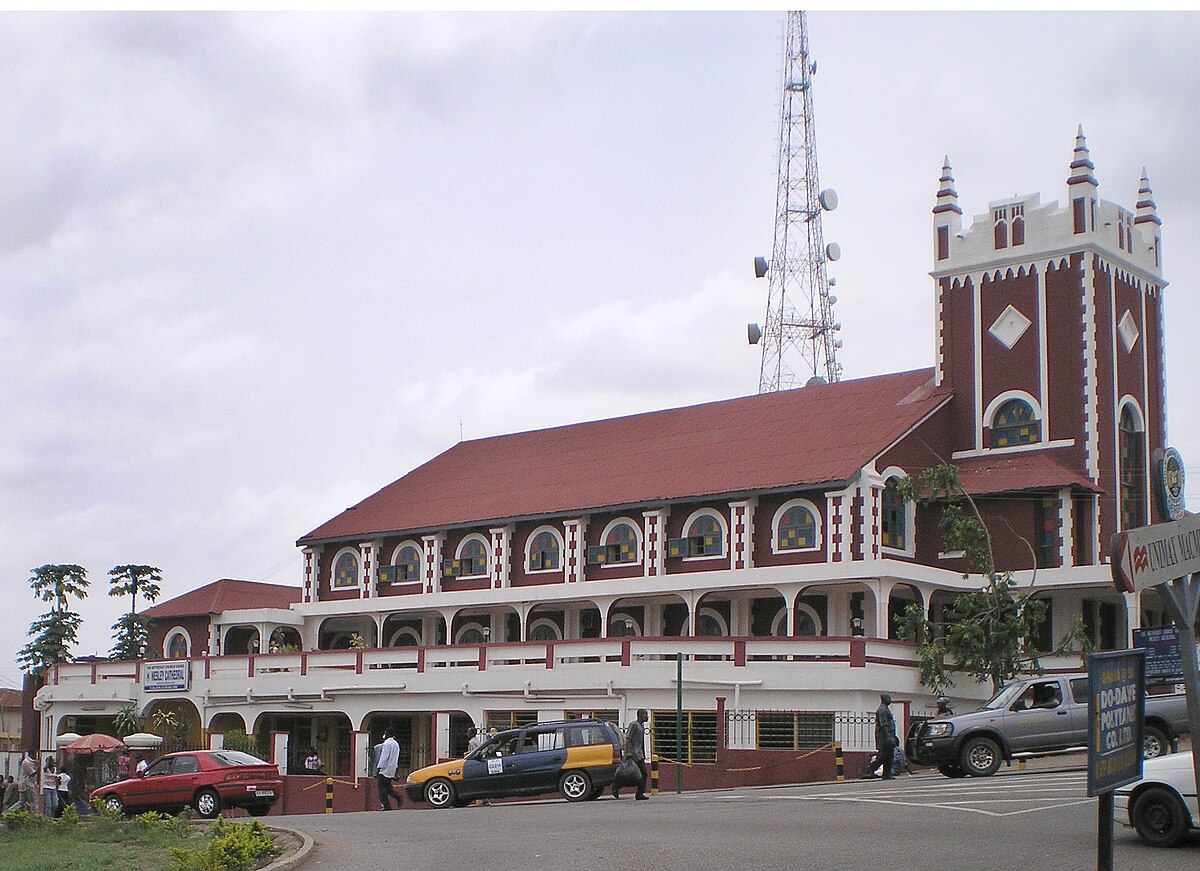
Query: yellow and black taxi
x,y
576,758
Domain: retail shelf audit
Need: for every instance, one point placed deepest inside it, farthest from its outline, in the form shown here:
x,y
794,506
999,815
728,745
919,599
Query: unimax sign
x,y
1153,555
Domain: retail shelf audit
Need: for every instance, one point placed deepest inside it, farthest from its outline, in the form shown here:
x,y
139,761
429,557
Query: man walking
x,y
885,736
385,770
27,778
635,749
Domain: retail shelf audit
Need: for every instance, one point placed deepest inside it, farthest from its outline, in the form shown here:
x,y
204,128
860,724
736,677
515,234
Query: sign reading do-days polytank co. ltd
x,y
1116,708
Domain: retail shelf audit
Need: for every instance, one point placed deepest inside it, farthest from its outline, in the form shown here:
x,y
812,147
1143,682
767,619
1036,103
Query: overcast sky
x,y
255,267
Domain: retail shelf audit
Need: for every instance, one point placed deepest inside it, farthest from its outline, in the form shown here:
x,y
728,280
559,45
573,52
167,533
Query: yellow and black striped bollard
x,y
328,795
654,774
840,760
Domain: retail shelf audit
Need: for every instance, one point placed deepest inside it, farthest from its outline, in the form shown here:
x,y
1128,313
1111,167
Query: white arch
x,y
395,560
818,538
173,633
352,551
623,617
483,631
1130,402
714,615
780,620
540,622
693,517
529,549
404,632
487,554
910,517
637,535
994,406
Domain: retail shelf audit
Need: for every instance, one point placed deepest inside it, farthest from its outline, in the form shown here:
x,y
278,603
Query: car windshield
x,y
230,758
1002,698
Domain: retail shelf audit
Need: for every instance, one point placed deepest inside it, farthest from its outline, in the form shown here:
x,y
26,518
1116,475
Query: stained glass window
x,y
470,562
345,571
1014,424
1133,472
705,537
893,526
620,546
544,552
407,567
797,529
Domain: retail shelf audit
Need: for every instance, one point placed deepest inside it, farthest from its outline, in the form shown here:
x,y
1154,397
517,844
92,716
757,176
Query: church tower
x,y
1050,334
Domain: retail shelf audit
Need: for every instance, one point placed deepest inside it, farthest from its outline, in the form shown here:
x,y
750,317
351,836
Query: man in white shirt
x,y
385,770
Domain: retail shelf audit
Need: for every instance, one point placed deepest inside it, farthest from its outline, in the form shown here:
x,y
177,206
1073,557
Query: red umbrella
x,y
95,743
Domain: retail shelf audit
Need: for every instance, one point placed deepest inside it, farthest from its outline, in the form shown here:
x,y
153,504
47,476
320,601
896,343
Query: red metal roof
x,y
1032,470
226,595
793,438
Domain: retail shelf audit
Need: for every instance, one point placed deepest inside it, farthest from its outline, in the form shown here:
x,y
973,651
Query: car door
x,y
183,780
147,791
544,753
492,770
1040,718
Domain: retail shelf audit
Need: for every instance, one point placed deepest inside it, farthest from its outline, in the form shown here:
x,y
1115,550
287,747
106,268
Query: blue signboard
x,y
1164,663
1116,710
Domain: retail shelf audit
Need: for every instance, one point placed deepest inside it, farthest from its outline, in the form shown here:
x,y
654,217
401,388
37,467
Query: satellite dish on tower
x,y
833,251
828,199
760,267
753,333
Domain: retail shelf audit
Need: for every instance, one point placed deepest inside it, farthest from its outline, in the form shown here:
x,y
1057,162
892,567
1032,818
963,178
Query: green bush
x,y
69,817
17,819
234,847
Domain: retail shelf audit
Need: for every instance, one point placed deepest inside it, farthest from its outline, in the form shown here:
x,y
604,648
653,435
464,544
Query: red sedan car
x,y
207,780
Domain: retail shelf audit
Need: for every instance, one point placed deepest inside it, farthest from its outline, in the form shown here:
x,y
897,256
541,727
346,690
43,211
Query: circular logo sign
x,y
1170,483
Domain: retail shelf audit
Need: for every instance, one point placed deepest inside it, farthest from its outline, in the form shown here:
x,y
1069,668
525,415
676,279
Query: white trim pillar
x,y
431,560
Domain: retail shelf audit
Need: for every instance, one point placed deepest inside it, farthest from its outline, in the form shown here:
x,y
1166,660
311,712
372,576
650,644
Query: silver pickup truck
x,y
1034,715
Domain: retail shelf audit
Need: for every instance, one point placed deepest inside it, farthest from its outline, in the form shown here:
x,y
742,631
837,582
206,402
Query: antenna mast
x,y
798,336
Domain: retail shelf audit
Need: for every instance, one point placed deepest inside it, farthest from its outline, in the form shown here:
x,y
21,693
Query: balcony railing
x,y
737,652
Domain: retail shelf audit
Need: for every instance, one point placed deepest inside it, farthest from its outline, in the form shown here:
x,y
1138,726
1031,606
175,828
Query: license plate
x,y
269,793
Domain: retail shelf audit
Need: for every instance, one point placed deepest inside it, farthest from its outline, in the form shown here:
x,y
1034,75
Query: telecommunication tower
x,y
799,335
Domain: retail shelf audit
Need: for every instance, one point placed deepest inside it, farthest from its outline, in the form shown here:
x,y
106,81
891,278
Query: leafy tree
x,y
131,633
126,721
55,631
987,632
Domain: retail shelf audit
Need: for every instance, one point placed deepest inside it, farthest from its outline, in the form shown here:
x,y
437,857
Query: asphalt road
x,y
1037,820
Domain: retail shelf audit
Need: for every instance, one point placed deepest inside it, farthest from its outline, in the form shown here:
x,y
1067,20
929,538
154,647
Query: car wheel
x,y
980,757
208,803
1160,818
575,785
114,803
954,771
439,793
1154,743
258,810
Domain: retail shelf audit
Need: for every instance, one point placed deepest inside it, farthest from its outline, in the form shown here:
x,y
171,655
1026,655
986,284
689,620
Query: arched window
x,y
619,546
1133,470
893,518
704,536
178,644
345,570
796,527
406,565
621,625
807,622
405,636
710,623
472,633
544,551
1015,424
543,629
471,560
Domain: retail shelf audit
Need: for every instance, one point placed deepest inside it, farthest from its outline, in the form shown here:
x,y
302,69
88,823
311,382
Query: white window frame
x,y
989,415
405,631
637,536
529,550
353,551
537,624
487,554
781,620
910,518
483,631
395,559
715,615
687,525
172,633
819,536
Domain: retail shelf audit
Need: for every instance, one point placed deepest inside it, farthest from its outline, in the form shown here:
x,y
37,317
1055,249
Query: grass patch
x,y
151,842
